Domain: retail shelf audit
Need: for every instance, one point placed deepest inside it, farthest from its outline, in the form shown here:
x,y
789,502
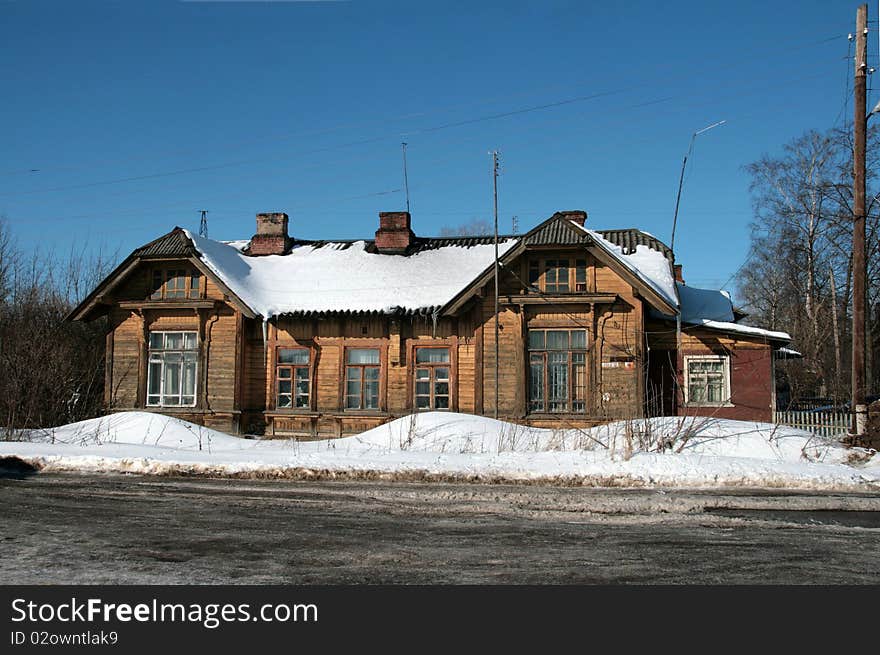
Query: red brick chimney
x,y
271,237
579,216
677,269
394,235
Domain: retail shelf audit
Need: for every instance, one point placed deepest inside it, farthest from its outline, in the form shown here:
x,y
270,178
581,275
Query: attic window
x,y
558,276
176,284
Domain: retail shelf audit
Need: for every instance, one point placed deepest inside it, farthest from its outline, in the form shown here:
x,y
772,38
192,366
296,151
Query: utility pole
x,y
860,126
203,225
405,178
495,200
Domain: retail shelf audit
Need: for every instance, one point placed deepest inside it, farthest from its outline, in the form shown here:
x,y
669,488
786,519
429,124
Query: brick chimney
x,y
677,269
271,237
579,216
394,235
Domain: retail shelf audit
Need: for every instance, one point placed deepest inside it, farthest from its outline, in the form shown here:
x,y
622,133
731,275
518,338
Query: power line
x,y
795,45
427,130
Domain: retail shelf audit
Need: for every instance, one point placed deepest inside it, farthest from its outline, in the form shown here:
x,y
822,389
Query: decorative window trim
x,y
160,355
725,371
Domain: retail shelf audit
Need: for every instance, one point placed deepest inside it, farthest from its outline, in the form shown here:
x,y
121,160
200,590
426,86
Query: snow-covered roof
x,y
345,276
737,328
649,265
713,309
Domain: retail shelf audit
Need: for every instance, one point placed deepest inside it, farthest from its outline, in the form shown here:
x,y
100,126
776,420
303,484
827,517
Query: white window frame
x,y
725,370
151,352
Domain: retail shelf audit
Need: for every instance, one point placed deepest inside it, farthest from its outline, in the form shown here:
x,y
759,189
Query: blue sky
x,y
123,119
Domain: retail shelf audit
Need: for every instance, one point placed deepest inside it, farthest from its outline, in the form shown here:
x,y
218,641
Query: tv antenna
x,y
203,225
405,178
684,162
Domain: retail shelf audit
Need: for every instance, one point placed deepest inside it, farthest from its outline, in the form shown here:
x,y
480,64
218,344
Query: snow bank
x,y
670,451
345,277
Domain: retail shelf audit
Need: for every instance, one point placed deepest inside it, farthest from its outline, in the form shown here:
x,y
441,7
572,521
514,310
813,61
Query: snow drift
x,y
671,451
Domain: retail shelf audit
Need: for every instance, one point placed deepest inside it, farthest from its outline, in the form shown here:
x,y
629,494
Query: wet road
x,y
130,529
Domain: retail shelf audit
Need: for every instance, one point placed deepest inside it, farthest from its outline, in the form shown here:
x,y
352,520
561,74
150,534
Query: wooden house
x,y
288,336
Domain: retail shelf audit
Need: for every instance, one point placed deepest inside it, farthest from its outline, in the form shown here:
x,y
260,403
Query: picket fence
x,y
820,423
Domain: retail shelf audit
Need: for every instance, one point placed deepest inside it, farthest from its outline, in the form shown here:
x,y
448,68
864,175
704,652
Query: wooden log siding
x,y
237,367
127,343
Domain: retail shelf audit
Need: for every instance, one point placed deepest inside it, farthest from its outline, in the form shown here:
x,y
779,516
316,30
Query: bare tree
x,y
475,227
53,370
801,245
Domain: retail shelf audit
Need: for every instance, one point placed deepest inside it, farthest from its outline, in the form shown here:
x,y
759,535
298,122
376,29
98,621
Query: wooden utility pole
x,y
836,327
495,200
860,126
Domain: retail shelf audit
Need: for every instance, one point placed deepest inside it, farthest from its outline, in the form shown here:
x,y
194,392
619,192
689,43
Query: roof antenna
x,y
203,226
514,220
681,178
405,178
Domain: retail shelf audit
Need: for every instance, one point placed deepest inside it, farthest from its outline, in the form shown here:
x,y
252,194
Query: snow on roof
x,y
345,276
713,309
743,329
704,304
649,265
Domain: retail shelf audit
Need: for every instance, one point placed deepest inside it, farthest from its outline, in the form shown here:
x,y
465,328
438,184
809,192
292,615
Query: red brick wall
x,y
265,244
394,233
394,221
751,387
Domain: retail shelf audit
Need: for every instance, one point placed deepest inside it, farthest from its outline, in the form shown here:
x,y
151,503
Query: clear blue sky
x,y
122,119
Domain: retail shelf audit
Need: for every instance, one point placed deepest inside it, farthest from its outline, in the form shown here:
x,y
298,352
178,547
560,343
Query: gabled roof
x,y
435,275
173,244
646,269
176,244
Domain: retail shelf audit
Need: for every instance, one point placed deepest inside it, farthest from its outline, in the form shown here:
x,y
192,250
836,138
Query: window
x,y
171,373
176,284
708,380
292,378
432,378
558,276
558,371
362,378
580,275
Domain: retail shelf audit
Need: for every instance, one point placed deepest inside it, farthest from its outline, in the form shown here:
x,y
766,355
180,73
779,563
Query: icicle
x,y
265,334
434,315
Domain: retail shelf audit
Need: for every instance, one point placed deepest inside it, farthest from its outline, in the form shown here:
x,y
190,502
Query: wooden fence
x,y
821,423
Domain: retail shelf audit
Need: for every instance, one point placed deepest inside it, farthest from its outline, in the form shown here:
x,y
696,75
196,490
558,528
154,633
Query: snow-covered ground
x,y
671,451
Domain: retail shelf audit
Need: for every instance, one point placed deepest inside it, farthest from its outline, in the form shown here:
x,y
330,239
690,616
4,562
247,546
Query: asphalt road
x,y
128,529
